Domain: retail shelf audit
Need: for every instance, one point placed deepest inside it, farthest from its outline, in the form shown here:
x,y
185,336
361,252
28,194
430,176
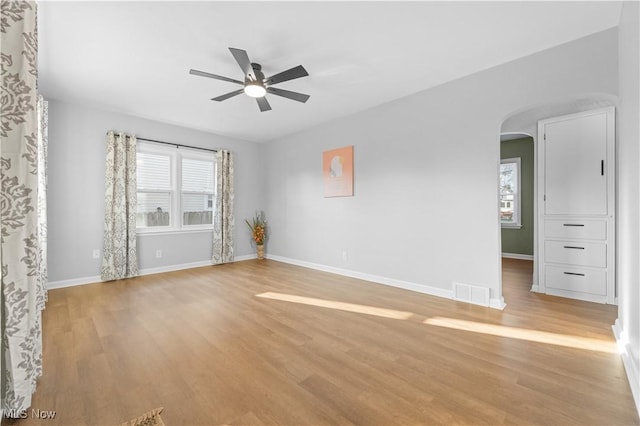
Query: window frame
x,y
200,155
148,148
176,217
517,199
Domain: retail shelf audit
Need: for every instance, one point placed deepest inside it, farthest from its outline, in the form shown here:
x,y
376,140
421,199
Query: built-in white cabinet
x,y
576,175
575,157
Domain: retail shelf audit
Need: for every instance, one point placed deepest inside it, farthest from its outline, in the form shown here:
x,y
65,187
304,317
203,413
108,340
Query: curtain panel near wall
x,y
119,253
23,182
224,221
43,148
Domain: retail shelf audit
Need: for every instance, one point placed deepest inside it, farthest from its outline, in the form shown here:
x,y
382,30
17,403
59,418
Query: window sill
x,y
174,231
511,226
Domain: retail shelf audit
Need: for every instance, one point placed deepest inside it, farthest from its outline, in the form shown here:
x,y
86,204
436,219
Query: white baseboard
x,y
535,288
420,288
147,271
51,285
171,268
631,366
245,257
587,297
518,256
497,303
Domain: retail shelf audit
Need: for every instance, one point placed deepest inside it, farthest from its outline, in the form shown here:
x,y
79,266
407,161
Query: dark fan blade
x,y
228,95
243,60
263,104
300,97
290,74
217,77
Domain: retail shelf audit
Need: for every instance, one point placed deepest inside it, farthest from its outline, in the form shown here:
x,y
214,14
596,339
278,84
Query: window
x,y
176,189
510,193
154,190
197,192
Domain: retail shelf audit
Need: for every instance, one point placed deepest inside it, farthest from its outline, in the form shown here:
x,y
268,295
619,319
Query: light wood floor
x,y
203,345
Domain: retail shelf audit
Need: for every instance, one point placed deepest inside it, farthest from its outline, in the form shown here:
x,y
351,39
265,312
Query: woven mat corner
x,y
150,418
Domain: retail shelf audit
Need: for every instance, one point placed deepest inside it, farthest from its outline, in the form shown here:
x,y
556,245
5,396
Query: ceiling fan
x,y
255,84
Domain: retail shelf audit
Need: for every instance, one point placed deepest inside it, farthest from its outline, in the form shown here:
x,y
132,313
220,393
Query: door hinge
x,y
544,197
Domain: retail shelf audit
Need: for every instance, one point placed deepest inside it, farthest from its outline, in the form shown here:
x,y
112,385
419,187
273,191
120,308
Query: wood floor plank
x,y
324,349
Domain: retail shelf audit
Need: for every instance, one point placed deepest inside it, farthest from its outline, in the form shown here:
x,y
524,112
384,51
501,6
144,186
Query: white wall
x,y
425,209
628,208
76,191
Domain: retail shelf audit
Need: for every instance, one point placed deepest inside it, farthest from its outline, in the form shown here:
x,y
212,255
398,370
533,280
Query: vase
x,y
260,250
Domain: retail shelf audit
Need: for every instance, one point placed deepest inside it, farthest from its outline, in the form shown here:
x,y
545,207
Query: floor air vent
x,y
471,294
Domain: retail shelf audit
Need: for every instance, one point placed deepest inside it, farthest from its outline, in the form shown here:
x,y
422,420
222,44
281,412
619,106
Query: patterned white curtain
x,y
119,253
23,181
43,147
223,221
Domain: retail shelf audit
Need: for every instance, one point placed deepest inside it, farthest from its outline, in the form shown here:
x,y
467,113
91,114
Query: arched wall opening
x,y
522,123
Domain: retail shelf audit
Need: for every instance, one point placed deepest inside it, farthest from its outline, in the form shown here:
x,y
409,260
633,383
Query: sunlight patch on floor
x,y
341,306
566,340
530,335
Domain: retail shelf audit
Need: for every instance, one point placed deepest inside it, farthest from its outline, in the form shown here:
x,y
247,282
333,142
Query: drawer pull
x,y
573,224
574,247
574,273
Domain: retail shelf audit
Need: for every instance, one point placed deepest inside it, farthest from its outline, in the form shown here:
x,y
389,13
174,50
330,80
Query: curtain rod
x,y
170,143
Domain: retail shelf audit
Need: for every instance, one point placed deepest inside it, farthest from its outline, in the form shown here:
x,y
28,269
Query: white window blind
x,y
197,175
154,171
197,191
154,190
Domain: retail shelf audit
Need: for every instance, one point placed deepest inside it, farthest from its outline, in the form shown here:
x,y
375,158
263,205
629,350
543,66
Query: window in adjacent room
x,y
510,193
176,189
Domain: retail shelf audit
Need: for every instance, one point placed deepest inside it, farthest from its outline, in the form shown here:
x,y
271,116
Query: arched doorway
x,y
523,123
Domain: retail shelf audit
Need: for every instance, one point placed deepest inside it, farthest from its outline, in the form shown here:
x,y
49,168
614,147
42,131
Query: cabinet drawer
x,y
576,253
579,229
576,279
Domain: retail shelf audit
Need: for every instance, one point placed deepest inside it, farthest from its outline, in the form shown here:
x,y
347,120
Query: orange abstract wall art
x,y
337,172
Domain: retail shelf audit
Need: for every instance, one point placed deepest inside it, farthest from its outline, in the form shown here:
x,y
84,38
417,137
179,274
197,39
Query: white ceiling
x,y
134,57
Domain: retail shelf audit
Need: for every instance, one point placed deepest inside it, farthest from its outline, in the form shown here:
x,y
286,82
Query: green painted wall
x,y
520,241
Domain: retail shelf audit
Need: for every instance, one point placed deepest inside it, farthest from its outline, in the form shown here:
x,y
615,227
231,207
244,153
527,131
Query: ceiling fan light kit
x,y
255,90
255,84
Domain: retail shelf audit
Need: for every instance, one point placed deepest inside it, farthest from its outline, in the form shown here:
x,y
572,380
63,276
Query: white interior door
x,y
575,166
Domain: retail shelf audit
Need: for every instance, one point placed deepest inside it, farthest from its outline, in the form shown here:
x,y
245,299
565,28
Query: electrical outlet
x,y
344,256
96,253
158,254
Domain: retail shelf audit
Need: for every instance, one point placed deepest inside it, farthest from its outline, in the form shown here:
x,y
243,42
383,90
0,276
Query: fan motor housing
x,y
257,70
